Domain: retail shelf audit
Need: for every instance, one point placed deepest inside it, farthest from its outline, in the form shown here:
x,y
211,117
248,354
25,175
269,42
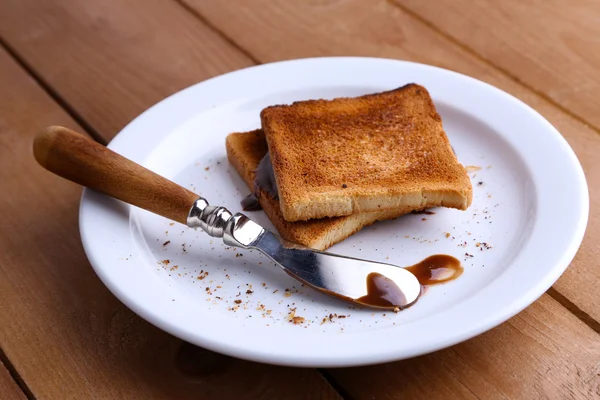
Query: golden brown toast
x,y
245,150
379,152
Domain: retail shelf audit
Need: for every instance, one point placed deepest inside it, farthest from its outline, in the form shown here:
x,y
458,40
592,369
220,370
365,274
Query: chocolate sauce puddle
x,y
434,270
440,268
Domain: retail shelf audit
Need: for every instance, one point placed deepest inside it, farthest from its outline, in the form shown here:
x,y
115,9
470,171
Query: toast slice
x,y
377,152
245,151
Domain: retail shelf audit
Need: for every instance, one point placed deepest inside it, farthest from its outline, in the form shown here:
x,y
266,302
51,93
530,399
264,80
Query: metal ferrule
x,y
210,219
235,230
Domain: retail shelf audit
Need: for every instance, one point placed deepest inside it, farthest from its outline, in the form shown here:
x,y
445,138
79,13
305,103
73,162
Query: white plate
x,y
530,204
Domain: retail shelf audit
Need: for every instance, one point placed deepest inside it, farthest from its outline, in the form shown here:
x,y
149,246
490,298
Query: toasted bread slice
x,y
377,152
245,150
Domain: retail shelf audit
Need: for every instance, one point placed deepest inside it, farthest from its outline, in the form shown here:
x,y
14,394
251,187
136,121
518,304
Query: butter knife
x,y
81,160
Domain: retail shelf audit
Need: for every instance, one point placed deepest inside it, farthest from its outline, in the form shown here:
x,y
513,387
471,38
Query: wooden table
x,y
95,65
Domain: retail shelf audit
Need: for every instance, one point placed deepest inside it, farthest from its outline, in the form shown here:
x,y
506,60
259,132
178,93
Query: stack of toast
x,y
324,169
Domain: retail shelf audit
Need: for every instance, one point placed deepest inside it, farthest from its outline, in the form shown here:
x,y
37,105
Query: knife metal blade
x,y
368,283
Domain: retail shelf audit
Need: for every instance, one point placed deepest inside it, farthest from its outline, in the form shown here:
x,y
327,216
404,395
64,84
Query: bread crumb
x,y
203,274
291,313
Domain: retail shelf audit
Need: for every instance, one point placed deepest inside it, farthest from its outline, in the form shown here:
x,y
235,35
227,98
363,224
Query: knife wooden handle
x,y
79,159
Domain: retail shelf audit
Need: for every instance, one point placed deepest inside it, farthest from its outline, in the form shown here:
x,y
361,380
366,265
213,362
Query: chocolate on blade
x,y
265,177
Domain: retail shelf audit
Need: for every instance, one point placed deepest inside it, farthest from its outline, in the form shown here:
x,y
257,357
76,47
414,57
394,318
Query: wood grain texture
x,y
285,30
119,355
551,45
79,159
113,59
542,353
62,330
8,387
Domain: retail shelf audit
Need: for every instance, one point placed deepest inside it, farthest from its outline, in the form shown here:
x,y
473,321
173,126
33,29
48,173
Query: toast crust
x,y
245,150
377,152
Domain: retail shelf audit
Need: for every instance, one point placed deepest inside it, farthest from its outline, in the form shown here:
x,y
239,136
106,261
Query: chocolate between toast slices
x,y
379,152
245,151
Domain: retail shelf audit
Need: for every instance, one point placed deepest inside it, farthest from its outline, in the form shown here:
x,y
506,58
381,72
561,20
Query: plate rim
x,y
500,315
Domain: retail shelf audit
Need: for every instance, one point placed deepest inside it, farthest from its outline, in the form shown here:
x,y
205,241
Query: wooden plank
x,y
551,45
372,29
285,30
62,330
113,59
542,353
8,387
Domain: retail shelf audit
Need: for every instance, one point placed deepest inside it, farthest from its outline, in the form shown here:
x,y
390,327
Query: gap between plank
x,y
52,93
334,384
15,376
218,31
574,309
474,53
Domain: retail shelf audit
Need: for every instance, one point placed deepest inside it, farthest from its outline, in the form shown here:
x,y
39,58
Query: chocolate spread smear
x,y
265,180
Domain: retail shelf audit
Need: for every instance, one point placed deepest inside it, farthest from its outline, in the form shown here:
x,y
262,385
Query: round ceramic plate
x,y
528,217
